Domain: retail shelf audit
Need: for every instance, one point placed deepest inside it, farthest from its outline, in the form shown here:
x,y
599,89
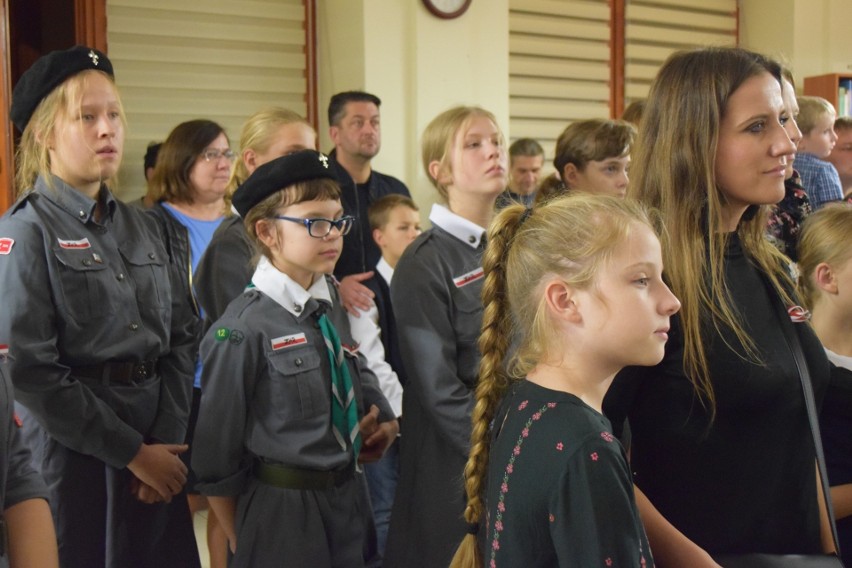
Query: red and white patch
x,y
81,244
18,422
4,350
472,276
286,341
798,314
351,349
6,245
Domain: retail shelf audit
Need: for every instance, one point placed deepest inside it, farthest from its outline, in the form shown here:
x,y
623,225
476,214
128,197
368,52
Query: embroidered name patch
x,y
288,341
798,314
4,350
471,276
6,245
81,244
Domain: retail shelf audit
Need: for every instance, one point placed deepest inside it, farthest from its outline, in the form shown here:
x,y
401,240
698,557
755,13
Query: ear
x,y
334,134
250,160
379,237
266,233
439,174
569,175
824,278
561,302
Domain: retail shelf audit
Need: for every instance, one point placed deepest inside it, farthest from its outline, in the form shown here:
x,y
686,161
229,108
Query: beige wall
x,y
813,36
418,65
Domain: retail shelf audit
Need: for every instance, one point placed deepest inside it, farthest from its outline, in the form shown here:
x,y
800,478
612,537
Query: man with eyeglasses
x,y
841,154
355,129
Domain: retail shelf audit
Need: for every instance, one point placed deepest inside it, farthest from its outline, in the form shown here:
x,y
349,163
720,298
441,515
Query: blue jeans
x,y
382,477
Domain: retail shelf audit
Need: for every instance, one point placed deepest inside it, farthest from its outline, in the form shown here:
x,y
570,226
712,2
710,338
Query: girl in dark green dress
x,y
577,306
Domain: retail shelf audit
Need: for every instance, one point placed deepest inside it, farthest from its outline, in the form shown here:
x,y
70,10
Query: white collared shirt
x,y
367,332
385,270
466,231
285,291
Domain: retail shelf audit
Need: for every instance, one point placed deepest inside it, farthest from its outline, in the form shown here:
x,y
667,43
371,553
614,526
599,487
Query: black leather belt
x,y
297,478
118,372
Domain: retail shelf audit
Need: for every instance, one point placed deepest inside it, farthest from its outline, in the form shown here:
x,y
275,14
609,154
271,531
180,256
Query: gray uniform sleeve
x,y
67,408
427,339
22,481
177,369
219,459
224,270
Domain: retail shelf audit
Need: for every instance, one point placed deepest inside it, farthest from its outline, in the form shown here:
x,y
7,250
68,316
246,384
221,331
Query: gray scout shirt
x,y
79,292
266,384
18,480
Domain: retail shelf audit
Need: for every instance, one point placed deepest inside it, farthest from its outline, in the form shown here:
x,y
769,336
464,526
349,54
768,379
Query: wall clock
x,y
447,9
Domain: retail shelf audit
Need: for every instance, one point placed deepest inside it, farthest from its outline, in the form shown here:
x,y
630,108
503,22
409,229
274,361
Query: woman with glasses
x,y
189,181
98,351
289,407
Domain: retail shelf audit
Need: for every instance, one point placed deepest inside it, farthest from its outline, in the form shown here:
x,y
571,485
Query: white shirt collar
x,y
384,269
466,231
285,291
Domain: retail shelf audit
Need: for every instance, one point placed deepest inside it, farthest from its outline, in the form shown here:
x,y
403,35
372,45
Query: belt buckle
x,y
140,373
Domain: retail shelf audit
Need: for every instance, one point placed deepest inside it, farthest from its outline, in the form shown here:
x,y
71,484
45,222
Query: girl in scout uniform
x,y
99,354
287,407
436,298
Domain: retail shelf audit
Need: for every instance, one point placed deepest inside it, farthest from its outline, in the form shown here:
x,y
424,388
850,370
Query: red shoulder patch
x,y
6,245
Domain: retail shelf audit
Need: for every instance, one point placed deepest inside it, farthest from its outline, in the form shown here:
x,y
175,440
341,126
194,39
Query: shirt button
x,y
82,214
87,262
471,239
297,308
152,256
120,276
133,326
298,361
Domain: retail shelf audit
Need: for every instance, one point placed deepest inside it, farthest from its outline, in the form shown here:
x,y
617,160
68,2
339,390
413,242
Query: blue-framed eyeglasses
x,y
319,227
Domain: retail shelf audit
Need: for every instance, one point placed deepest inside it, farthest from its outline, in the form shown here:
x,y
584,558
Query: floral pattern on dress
x,y
510,468
786,218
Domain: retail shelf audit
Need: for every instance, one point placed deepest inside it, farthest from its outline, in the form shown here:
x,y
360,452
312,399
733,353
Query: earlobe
x,y
439,174
569,175
824,278
266,233
378,237
250,159
562,301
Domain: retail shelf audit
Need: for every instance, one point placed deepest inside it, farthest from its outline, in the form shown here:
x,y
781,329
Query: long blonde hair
x,y
523,250
439,136
825,237
33,153
674,171
258,134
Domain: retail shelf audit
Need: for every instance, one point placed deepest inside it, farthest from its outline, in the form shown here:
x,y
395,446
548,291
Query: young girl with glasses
x,y
289,407
569,309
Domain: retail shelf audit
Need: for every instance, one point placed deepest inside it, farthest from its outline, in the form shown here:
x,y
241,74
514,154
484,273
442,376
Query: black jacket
x,y
360,253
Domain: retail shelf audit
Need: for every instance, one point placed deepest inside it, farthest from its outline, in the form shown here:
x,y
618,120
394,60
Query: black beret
x,y
47,73
278,174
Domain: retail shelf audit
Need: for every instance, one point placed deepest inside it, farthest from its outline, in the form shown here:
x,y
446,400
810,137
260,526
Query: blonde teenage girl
x,y
225,269
100,349
436,299
577,306
825,284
